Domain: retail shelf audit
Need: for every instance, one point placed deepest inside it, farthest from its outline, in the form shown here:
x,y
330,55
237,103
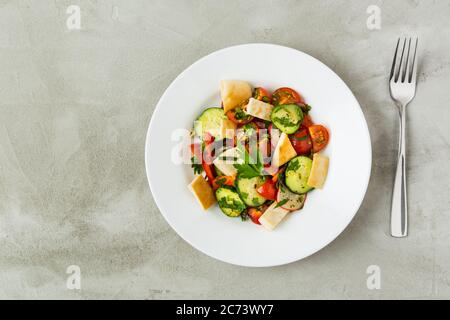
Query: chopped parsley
x,y
282,202
233,204
250,167
196,165
239,114
285,121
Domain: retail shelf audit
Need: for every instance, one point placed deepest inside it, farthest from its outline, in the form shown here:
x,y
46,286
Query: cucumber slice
x,y
287,118
291,201
247,190
229,201
209,121
297,174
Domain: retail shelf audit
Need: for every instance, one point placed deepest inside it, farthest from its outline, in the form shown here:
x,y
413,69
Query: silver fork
x,y
402,86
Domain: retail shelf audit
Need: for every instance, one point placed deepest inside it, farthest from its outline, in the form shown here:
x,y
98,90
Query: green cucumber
x,y
229,201
287,117
247,190
297,174
209,121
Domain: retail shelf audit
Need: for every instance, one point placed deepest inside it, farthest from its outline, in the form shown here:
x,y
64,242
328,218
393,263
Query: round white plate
x,y
327,212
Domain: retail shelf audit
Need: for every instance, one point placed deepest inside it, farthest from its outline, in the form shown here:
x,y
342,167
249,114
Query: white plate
x,y
327,212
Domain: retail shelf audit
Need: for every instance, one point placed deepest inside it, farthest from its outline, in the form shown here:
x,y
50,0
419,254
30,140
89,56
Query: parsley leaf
x,y
195,164
250,167
282,202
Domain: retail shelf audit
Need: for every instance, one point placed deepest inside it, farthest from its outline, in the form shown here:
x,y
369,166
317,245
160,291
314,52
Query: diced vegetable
x,y
209,122
268,190
229,201
297,174
220,181
202,192
301,142
319,136
262,95
289,200
239,116
307,121
256,213
319,171
247,188
273,216
287,117
286,96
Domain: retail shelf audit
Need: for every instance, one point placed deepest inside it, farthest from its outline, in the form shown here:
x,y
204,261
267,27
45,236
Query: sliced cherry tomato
x,y
256,213
286,96
238,116
301,142
262,95
319,136
268,190
307,121
223,181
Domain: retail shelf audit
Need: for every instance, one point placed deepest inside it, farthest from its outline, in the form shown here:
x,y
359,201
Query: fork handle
x,y
399,208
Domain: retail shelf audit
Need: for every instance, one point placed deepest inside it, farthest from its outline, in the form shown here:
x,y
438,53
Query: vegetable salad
x,y
258,155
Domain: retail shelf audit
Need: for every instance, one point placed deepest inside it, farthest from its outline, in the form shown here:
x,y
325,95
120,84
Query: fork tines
x,y
404,66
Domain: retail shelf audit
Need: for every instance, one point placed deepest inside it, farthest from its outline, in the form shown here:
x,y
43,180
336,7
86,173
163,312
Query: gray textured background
x,y
74,109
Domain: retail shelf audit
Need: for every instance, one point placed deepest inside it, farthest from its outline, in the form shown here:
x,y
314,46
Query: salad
x,y
258,155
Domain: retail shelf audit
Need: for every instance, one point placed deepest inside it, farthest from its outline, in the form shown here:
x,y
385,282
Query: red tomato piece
x,y
262,95
268,190
256,213
286,96
223,181
238,116
301,142
319,136
307,121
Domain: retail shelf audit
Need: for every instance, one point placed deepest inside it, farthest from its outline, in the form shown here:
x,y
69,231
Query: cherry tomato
x,y
256,213
262,95
319,136
238,116
301,142
223,181
268,190
307,121
286,96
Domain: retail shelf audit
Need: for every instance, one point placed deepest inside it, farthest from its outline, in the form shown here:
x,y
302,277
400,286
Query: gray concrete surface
x,y
74,110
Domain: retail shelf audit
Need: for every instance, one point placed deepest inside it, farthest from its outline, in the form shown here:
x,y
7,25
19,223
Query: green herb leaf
x,y
196,166
282,202
250,167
